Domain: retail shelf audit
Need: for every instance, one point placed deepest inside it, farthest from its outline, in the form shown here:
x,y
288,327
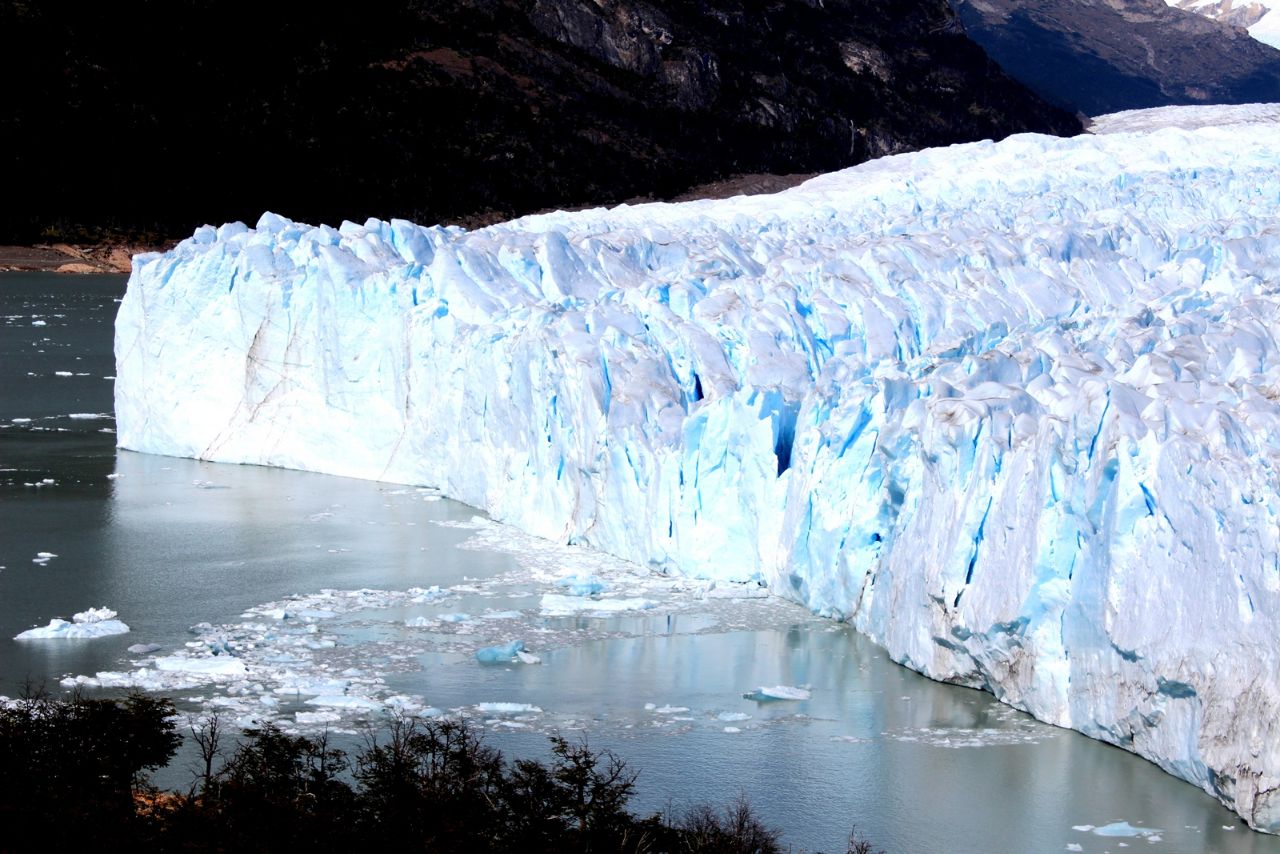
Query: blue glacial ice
x,y
502,654
1010,409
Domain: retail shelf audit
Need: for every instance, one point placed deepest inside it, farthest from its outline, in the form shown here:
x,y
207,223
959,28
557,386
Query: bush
x,y
71,767
74,769
734,831
432,784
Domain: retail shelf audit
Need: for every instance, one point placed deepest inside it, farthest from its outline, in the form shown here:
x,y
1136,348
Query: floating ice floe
x,y
558,604
508,709
778,692
217,665
505,654
347,701
93,623
582,585
317,718
1124,829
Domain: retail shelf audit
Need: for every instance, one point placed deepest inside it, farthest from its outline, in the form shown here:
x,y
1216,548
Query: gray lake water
x,y
170,544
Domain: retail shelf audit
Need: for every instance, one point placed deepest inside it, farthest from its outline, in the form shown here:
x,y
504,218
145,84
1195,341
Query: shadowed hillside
x,y
1103,56
159,115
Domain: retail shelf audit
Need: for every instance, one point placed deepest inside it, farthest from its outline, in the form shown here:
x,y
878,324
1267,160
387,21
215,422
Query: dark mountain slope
x,y
1101,56
165,114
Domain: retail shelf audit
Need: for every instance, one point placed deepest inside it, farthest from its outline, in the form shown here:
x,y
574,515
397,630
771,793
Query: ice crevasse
x,y
1009,408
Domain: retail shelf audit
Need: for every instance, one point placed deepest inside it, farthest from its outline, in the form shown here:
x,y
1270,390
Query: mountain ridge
x,y
164,116
1104,56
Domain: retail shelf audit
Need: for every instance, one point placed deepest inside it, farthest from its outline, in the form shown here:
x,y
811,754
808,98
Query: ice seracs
x,y
1008,408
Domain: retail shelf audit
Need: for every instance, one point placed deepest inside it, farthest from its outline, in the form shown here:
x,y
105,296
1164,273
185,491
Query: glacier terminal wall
x,y
1010,409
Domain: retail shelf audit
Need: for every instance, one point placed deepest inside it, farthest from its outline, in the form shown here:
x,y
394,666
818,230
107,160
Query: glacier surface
x,y
1010,409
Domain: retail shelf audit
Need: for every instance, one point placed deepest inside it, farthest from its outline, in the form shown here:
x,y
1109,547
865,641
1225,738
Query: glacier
x,y
1008,408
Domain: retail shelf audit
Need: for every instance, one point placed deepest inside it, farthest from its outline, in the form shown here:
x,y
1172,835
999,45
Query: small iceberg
x,y
508,708
560,605
350,702
93,623
1124,829
504,654
778,692
582,584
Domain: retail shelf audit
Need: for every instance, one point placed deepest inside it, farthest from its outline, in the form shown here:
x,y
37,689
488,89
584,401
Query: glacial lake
x,y
367,593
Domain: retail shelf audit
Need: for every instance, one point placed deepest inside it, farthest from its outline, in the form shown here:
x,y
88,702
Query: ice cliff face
x,y
1009,408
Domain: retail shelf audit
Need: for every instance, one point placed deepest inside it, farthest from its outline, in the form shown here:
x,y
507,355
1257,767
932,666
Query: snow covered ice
x,y
93,623
778,692
1008,408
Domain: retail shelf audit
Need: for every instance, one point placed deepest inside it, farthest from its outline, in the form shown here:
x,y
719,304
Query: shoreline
x,y
117,256
71,258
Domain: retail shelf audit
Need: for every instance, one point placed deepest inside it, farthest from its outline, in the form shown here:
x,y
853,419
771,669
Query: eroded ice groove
x,y
326,660
1009,408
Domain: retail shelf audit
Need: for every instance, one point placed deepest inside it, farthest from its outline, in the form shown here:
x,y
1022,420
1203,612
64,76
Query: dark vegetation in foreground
x,y
75,769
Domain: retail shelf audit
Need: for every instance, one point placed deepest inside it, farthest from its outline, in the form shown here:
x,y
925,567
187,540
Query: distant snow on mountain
x,y
1103,56
1260,17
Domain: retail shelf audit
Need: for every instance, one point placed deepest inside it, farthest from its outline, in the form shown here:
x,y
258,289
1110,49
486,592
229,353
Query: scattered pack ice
x,y
1009,408
327,659
93,623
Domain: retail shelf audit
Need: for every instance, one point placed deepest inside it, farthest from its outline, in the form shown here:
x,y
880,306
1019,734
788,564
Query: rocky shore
x,y
66,258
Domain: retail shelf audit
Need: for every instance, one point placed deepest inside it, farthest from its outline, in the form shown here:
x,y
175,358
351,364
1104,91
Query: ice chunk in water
x,y
93,623
778,692
504,654
507,708
582,584
1123,828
